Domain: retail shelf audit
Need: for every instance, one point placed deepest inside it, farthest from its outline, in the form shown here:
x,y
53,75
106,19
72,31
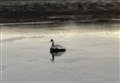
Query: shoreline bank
x,y
51,22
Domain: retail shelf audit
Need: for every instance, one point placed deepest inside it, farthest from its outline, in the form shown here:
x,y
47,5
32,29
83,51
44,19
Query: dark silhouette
x,y
65,11
56,50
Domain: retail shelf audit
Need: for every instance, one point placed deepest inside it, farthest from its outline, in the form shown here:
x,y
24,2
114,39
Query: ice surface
x,y
92,54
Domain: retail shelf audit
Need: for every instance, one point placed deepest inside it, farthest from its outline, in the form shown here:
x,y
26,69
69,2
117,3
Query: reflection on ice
x,y
54,54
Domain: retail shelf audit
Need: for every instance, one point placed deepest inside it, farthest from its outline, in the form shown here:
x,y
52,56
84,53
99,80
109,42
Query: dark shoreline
x,y
70,21
59,11
61,18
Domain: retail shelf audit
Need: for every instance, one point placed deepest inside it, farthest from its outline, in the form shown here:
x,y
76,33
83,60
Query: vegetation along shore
x,y
38,11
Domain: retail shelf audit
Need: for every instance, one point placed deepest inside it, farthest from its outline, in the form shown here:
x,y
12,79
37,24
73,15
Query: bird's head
x,y
51,40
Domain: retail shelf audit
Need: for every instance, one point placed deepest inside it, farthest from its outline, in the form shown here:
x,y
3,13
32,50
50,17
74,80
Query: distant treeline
x,y
63,10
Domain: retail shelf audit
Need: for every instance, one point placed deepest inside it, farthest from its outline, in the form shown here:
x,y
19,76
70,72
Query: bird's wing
x,y
59,47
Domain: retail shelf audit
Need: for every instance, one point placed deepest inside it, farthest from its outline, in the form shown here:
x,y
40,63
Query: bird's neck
x,y
52,43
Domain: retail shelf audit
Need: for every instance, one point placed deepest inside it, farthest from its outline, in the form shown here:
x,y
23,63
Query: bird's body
x,y
56,48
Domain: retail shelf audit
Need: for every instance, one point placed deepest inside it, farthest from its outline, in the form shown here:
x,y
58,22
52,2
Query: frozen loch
x,y
92,54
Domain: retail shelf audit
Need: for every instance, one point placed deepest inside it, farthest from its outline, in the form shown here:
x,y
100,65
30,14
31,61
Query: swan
x,y
56,48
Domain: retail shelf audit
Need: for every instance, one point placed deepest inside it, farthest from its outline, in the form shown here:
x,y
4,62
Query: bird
x,y
56,48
